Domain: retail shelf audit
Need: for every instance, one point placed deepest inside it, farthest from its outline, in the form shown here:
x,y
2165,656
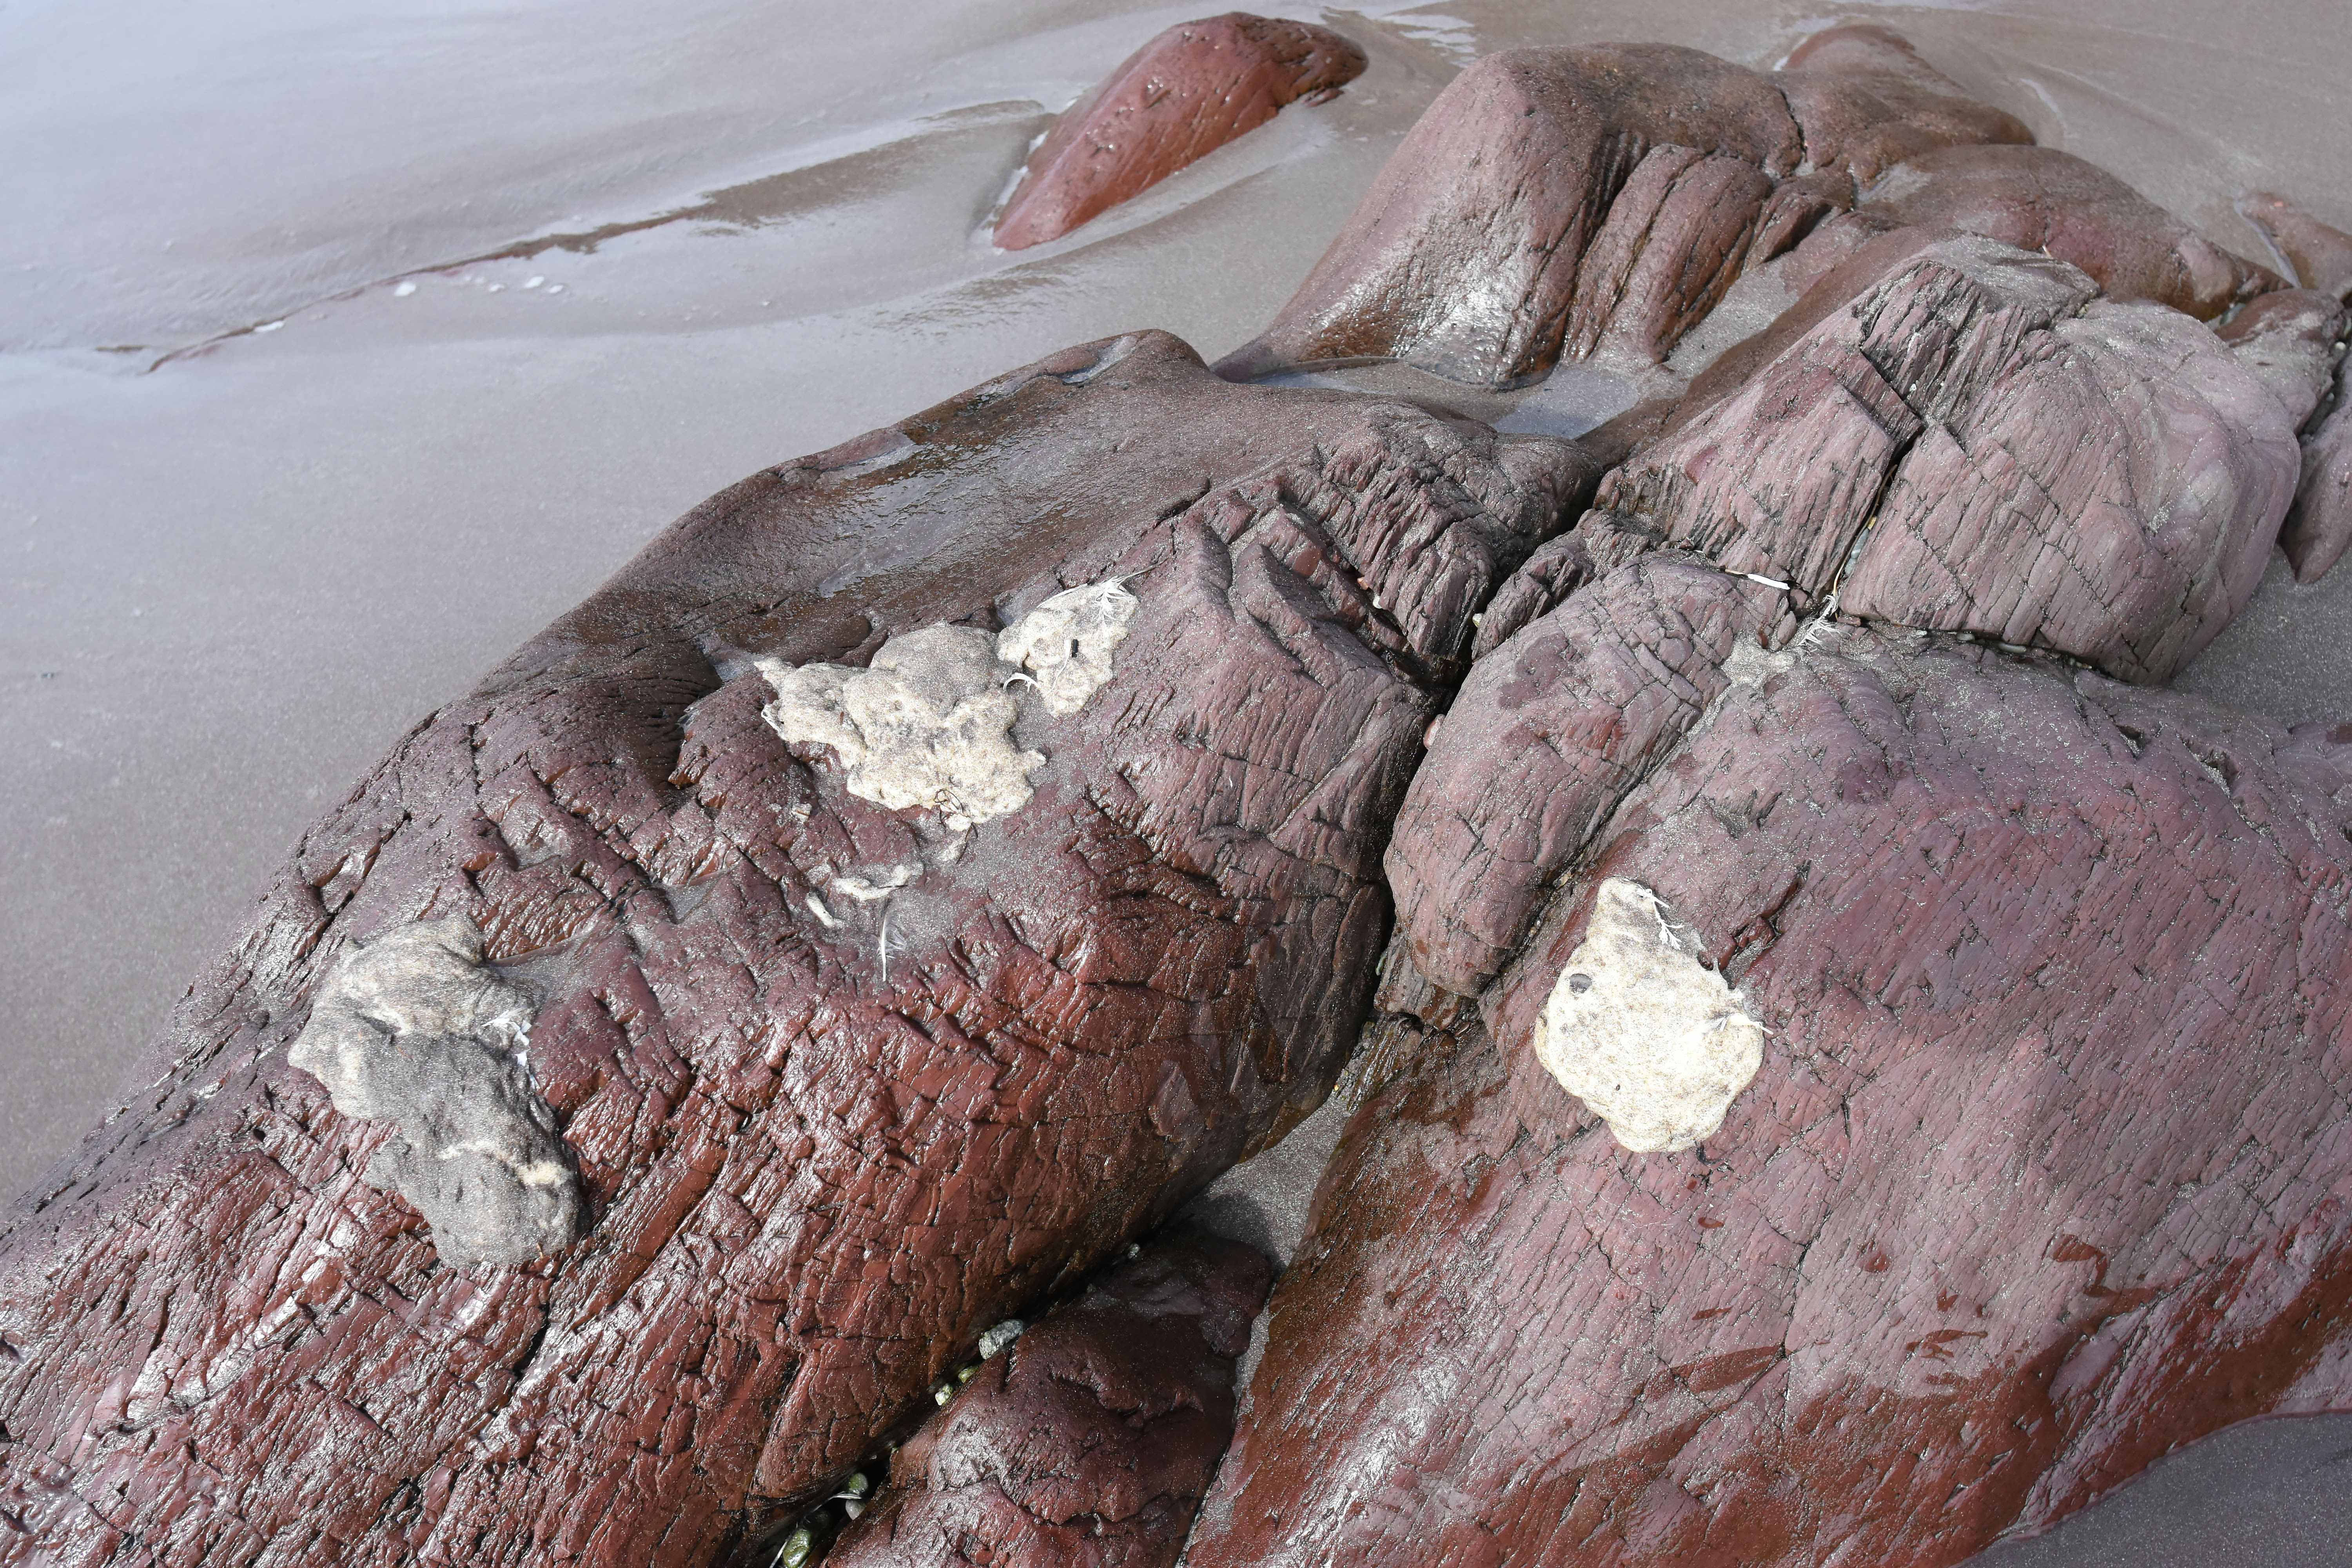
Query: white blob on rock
x,y
426,980
1066,642
415,1029
1654,1042
928,726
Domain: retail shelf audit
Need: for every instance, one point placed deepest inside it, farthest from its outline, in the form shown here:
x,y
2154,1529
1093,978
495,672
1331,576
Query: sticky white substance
x,y
1652,1042
928,725
416,1029
1066,642
866,892
426,980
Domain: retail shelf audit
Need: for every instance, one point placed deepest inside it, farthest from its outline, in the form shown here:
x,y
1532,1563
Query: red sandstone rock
x,y
1464,259
1966,447
1779,477
845,1084
2320,529
2112,493
1671,245
1600,200
2291,339
1568,715
1090,1442
2047,1168
1795,208
2038,198
1866,102
2320,256
1187,92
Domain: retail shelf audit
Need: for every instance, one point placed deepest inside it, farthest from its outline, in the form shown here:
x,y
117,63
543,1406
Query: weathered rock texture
x,y
2291,340
2112,493
1090,1443
2320,529
1568,716
2049,1166
2288,343
1866,102
2038,198
1185,94
846,1084
2320,257
1465,257
1598,201
1975,444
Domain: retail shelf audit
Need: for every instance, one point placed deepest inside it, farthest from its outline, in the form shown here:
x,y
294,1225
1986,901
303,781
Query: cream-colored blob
x,y
1066,642
928,725
424,980
1654,1042
866,892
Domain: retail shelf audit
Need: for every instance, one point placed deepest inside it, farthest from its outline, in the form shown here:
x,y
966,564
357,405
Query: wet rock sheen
x,y
1182,96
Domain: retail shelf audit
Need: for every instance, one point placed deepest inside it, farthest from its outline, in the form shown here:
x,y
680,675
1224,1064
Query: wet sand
x,y
341,349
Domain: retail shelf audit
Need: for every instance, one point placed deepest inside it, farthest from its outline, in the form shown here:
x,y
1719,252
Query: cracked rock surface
x,y
1597,203
1854,1070
2046,1167
1464,258
819,1156
1090,1441
1978,444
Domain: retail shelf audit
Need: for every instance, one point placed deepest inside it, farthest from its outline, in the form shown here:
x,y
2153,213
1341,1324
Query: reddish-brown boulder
x,y
2291,339
1598,201
2320,257
2114,493
1465,257
2038,198
1185,94
881,970
2047,1167
1972,445
1568,715
1866,102
1090,1442
2320,529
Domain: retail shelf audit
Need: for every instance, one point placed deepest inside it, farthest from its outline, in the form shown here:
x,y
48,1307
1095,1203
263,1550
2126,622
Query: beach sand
x,y
341,347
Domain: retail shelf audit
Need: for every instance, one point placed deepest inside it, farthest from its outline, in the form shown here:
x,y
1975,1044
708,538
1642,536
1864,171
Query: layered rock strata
x,y
1465,258
2038,198
1090,1441
2048,1165
859,1035
1864,100
1187,92
1977,444
1598,201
